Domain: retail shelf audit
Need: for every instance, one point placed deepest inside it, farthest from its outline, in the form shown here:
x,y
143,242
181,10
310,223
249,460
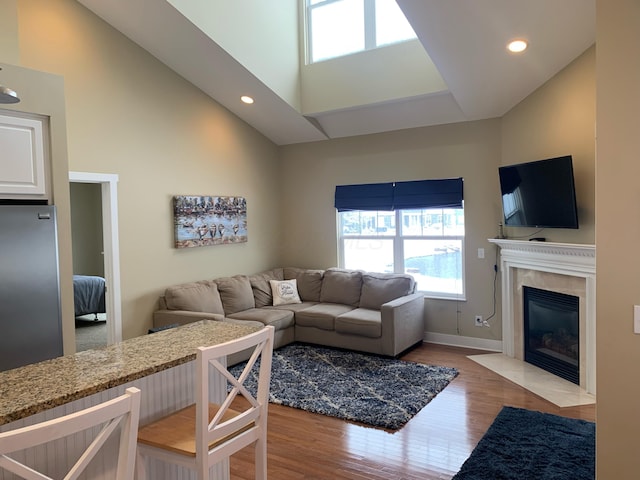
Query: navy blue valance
x,y
443,193
372,196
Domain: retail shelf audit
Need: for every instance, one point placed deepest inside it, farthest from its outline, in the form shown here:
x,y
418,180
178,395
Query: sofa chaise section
x,y
370,312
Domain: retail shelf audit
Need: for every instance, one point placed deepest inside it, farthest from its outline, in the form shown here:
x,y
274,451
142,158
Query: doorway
x,y
110,247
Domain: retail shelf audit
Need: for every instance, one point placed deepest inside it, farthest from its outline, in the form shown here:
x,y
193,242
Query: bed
x,y
88,294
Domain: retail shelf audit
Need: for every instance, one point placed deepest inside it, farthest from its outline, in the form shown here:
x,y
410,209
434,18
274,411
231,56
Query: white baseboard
x,y
460,341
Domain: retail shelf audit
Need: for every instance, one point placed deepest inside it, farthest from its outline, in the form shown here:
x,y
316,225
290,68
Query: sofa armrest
x,y
402,323
162,318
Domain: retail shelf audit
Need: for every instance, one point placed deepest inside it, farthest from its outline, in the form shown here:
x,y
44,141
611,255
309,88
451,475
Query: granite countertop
x,y
34,388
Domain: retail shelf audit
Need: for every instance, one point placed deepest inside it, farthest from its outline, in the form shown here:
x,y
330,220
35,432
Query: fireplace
x,y
552,332
559,267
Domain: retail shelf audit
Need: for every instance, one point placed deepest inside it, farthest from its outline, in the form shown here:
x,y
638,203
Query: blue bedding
x,y
88,294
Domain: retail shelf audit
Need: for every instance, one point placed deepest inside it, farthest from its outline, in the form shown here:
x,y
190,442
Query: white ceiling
x,y
465,39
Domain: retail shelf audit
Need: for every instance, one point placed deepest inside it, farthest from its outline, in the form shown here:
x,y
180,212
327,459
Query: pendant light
x,y
7,95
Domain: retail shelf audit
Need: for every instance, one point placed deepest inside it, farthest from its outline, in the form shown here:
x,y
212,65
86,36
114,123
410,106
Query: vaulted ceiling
x,y
464,39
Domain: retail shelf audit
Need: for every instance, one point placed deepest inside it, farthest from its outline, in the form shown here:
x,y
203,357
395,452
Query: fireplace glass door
x,y
551,332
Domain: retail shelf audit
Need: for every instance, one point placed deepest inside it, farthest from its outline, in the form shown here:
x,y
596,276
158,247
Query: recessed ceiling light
x,y
246,99
517,46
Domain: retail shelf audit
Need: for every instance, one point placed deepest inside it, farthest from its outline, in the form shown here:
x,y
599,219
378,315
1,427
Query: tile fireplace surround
x,y
561,267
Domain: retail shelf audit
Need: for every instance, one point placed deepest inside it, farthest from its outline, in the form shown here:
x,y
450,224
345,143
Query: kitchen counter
x,y
35,388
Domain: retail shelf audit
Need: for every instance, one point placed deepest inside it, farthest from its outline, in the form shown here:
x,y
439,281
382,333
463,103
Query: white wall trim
x,y
109,185
461,341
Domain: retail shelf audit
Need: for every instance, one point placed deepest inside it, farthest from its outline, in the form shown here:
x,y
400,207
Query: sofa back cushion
x,y
379,288
261,287
236,294
341,286
309,282
194,297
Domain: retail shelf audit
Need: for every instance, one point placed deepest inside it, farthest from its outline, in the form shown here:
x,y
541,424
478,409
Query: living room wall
x,y
128,114
559,118
617,232
310,173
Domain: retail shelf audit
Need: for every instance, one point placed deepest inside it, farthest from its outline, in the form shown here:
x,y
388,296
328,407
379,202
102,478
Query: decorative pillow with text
x,y
284,292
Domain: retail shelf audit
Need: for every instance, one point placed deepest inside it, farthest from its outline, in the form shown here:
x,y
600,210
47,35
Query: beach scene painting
x,y
208,220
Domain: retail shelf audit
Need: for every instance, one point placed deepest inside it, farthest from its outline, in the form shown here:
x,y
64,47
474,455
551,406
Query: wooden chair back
x,y
123,411
206,433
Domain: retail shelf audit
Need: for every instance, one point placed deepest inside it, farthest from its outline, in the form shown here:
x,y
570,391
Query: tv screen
x,y
539,194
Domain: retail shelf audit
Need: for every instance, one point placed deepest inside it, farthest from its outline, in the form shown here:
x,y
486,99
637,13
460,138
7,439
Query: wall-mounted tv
x,y
539,194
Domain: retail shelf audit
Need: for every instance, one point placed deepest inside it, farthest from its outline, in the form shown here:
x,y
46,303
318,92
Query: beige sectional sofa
x,y
352,309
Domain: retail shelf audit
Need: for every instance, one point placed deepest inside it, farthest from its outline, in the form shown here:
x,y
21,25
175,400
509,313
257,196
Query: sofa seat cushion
x,y
246,323
194,297
321,315
236,294
341,286
379,288
294,307
361,321
280,319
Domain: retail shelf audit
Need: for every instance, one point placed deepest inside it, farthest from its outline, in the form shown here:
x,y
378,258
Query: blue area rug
x,y
523,444
369,389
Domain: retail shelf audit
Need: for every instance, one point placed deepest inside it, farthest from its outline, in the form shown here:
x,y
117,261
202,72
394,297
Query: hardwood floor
x,y
432,445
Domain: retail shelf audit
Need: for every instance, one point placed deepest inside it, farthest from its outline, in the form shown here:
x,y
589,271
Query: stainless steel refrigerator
x,y
30,314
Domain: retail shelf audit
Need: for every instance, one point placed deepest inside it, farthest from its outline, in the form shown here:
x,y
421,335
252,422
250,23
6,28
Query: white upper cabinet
x,y
23,156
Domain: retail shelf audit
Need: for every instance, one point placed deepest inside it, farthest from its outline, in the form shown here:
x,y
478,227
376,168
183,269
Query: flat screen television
x,y
539,194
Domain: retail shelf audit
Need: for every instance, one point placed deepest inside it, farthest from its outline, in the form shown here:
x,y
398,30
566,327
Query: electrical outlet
x,y
479,322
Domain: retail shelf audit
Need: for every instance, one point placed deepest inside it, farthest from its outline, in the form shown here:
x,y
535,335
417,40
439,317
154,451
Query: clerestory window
x,y
340,27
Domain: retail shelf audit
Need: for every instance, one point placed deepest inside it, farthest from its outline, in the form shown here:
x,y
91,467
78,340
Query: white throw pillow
x,y
284,292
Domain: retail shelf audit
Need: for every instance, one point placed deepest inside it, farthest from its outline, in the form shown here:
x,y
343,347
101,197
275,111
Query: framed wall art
x,y
209,220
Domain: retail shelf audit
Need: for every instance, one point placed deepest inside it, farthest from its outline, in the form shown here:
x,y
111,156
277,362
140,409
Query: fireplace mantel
x,y
574,260
557,257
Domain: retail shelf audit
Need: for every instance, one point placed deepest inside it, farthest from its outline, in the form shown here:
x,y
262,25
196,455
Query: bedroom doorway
x,y
106,214
88,265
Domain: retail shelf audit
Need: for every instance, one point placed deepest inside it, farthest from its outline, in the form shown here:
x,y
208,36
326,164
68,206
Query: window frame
x,y
369,20
398,247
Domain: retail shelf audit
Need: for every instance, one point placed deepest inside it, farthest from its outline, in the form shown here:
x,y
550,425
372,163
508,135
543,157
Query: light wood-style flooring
x,y
432,445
